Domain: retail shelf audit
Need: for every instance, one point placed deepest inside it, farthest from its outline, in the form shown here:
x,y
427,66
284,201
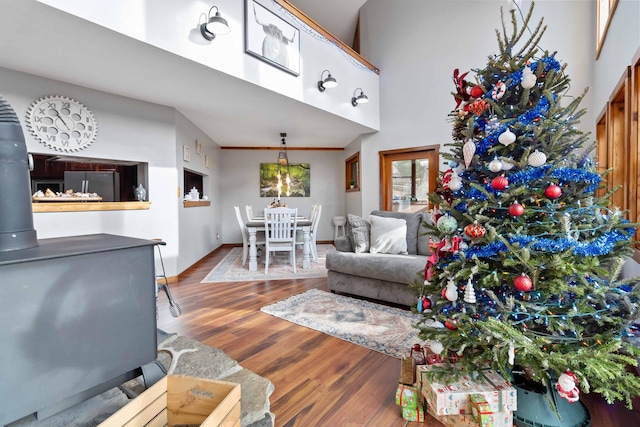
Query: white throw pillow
x,y
388,235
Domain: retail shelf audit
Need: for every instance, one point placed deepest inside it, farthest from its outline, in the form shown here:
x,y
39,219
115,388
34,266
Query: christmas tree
x,y
525,264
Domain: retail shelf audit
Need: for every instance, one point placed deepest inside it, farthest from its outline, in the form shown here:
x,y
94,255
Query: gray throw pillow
x,y
359,230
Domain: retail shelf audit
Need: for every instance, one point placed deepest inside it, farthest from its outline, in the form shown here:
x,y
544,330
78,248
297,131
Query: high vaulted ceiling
x,y
44,41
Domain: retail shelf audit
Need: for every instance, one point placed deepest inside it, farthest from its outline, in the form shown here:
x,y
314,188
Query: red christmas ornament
x,y
478,106
450,324
553,191
499,183
426,303
523,283
476,92
516,209
475,230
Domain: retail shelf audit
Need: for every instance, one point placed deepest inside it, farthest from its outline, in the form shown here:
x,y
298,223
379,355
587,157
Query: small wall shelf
x,y
195,204
89,206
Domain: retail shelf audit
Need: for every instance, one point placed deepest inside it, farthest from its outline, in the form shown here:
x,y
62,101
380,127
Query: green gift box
x,y
407,396
481,410
413,414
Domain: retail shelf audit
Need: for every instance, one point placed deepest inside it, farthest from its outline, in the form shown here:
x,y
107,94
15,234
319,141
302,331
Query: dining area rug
x,y
387,330
230,268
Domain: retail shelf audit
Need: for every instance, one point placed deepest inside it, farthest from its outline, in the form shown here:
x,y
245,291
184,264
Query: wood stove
x,y
78,317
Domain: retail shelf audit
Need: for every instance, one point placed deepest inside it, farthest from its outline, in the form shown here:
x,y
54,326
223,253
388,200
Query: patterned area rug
x,y
230,269
387,330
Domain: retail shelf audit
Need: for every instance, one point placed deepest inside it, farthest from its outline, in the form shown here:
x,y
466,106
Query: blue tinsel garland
x,y
599,246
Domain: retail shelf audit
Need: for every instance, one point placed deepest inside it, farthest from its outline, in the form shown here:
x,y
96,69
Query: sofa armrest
x,y
343,244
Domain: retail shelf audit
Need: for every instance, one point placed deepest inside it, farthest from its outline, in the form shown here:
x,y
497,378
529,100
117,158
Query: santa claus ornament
x,y
566,387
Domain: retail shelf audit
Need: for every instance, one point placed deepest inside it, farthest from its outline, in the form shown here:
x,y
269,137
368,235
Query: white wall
x,y
199,226
171,25
127,130
240,185
418,43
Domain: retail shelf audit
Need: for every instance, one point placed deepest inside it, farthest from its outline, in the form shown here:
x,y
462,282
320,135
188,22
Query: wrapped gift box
x,y
413,414
502,419
453,399
482,412
407,396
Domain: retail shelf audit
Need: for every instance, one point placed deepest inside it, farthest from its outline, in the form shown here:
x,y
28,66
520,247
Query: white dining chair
x,y
249,210
280,233
315,220
245,235
314,217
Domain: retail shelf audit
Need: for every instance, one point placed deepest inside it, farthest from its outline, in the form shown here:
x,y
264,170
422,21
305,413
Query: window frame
x,y
350,164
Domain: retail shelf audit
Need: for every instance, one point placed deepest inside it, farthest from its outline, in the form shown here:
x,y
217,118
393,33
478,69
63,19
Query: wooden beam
x,y
288,148
326,34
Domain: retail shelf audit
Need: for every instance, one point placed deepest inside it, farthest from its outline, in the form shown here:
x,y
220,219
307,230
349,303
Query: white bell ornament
x,y
507,138
495,165
455,184
537,159
507,165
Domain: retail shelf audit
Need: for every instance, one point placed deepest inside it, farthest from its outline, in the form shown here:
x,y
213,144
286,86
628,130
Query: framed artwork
x,y
186,153
198,147
299,174
271,38
207,160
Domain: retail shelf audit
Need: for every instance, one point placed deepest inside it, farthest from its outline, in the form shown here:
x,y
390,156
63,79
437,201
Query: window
x,y
604,12
407,177
352,172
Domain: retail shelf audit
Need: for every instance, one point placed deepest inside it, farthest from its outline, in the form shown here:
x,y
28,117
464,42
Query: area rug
x,y
230,269
387,330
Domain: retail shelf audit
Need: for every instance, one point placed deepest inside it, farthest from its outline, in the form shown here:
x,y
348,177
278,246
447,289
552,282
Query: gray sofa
x,y
381,276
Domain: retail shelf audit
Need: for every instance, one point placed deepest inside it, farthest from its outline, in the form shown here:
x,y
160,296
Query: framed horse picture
x,y
271,38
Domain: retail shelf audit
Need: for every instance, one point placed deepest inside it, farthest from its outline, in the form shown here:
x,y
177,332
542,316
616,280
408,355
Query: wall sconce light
x,y
328,83
359,99
215,24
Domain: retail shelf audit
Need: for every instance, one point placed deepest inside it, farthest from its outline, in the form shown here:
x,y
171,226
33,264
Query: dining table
x,y
257,224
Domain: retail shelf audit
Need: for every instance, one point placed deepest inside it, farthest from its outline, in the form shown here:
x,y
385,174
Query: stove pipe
x,y
16,214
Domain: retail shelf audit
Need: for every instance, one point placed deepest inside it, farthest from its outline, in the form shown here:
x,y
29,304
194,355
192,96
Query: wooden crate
x,y
182,400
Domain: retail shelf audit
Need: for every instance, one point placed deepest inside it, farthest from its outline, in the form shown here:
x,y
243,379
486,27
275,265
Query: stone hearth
x,y
192,358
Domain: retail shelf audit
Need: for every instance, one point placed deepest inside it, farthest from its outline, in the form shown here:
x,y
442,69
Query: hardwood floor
x,y
319,380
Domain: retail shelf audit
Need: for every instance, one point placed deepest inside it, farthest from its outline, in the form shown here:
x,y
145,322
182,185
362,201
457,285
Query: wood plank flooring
x,y
319,380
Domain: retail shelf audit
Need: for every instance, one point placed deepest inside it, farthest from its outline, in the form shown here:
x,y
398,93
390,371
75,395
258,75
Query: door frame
x,y
431,152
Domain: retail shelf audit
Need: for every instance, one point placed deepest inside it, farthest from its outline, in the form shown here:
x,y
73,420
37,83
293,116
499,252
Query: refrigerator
x,y
105,184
